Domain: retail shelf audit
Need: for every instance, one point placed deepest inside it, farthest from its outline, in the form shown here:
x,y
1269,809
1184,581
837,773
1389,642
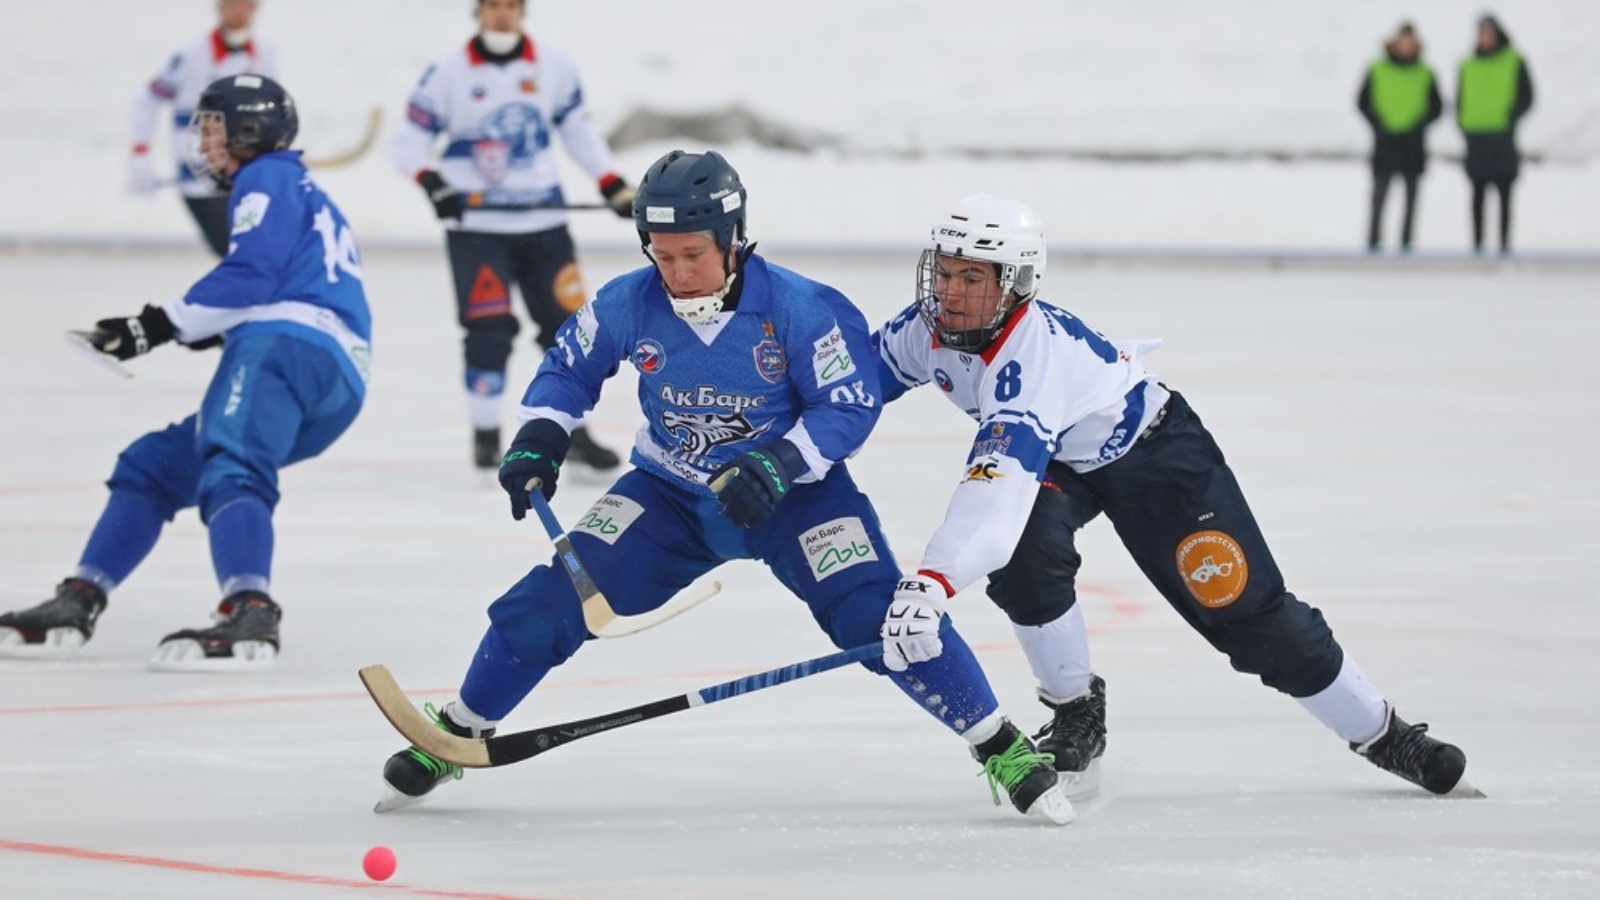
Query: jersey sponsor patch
x,y
834,546
609,517
831,359
584,326
251,211
983,471
1213,568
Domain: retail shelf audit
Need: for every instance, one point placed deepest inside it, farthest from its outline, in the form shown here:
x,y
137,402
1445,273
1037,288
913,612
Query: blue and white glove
x,y
910,629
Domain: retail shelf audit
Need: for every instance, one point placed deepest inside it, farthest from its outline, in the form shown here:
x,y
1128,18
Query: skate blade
x,y
187,656
58,642
1054,807
1465,791
1080,786
394,800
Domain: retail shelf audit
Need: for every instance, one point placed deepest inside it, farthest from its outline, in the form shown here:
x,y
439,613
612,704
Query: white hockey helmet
x,y
1008,234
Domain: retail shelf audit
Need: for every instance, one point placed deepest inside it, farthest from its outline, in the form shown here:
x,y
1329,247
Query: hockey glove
x,y
142,172
911,626
536,454
127,338
618,194
757,482
447,201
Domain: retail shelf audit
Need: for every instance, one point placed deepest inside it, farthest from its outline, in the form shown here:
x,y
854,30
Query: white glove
x,y
911,626
142,174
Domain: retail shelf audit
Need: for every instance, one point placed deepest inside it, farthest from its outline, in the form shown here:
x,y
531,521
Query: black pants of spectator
x,y
1480,191
212,215
1380,193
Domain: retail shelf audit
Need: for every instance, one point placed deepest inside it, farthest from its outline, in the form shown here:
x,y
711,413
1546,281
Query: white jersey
x,y
1048,388
187,75
497,122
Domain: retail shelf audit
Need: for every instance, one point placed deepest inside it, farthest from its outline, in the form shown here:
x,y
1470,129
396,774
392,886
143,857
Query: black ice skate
x,y
57,626
413,772
244,638
1408,751
486,448
585,450
1076,737
1011,762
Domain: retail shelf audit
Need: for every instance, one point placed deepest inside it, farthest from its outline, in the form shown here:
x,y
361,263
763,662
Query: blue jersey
x,y
792,362
292,268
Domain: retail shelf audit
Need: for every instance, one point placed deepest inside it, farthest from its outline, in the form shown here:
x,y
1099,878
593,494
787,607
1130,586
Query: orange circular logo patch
x,y
569,288
1213,568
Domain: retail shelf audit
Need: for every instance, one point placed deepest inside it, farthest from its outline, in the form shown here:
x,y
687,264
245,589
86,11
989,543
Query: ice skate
x,y
412,773
1010,761
1408,751
486,448
1076,737
584,450
56,627
244,639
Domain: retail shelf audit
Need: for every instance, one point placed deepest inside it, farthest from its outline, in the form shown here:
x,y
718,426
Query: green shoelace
x,y
1009,768
437,767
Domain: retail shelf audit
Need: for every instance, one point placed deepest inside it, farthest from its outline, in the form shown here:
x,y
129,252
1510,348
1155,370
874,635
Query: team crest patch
x,y
649,357
1213,568
609,517
771,363
834,546
942,379
251,211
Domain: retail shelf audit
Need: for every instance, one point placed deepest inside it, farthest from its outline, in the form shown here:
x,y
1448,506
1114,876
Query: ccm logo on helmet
x,y
951,232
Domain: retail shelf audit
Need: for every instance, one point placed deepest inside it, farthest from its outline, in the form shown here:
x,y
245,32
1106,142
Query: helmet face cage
x,y
205,146
1007,235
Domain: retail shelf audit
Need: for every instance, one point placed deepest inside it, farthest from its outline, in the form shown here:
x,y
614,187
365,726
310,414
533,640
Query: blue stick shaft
x,y
789,673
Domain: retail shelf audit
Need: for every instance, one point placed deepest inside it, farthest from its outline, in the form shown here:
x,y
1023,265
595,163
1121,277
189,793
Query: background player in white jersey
x,y
746,370
478,138
288,305
231,48
1071,425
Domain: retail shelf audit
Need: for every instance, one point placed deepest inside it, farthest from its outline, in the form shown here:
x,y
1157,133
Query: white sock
x,y
1058,653
483,410
1351,707
462,715
986,728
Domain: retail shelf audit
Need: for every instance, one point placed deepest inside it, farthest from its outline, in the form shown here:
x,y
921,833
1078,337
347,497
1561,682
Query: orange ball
x,y
379,863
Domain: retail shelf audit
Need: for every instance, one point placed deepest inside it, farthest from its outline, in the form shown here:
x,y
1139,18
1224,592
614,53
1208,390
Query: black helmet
x,y
687,192
259,114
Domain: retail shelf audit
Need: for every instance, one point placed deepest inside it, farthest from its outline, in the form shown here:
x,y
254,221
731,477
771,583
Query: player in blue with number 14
x,y
288,306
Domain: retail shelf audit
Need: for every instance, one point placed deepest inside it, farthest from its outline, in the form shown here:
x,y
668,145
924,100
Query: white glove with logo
x,y
142,174
911,626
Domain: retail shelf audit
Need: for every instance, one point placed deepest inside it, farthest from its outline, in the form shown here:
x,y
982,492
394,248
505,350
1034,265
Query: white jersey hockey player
x,y
1071,425
229,49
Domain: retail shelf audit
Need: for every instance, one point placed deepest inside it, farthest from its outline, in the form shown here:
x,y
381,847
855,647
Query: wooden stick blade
x,y
416,727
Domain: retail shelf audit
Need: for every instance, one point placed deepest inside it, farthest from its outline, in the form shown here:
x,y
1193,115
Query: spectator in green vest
x,y
1400,99
1495,92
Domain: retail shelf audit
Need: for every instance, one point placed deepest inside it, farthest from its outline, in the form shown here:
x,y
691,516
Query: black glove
x,y
446,200
205,343
618,194
757,482
127,338
537,452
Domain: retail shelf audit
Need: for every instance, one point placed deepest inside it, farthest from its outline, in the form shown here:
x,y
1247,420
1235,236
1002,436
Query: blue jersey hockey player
x,y
288,306
751,377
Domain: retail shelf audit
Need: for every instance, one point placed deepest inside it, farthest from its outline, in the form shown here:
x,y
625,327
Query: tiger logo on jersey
x,y
1213,568
698,433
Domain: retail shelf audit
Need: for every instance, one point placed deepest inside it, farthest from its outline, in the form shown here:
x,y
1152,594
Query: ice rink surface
x,y
1417,441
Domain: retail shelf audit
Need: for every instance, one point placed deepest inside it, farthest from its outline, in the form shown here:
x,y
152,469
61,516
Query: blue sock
x,y
241,544
124,535
951,687
498,679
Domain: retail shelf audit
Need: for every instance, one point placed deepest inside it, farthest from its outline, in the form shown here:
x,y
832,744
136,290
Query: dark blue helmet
x,y
686,192
258,113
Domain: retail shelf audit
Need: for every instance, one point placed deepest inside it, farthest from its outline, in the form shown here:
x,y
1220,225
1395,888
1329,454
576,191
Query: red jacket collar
x,y
220,48
993,349
476,58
